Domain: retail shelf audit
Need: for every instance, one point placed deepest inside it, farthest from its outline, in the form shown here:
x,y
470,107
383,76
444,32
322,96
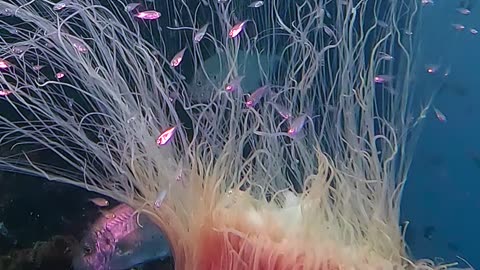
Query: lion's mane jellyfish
x,y
294,157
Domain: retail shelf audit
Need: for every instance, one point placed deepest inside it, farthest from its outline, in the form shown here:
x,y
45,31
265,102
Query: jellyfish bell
x,y
328,199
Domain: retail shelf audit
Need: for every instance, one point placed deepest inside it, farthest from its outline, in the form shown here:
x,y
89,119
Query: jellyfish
x,y
92,92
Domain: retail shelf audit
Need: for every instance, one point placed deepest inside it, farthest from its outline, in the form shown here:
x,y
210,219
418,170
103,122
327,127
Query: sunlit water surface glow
x,y
306,174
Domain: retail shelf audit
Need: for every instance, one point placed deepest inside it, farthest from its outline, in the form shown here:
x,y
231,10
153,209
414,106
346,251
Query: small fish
x,y
440,116
427,2
4,64
256,4
108,214
234,85
131,7
463,11
255,97
160,198
296,125
383,78
177,59
473,31
148,15
37,67
385,56
61,5
200,33
282,110
458,27
60,75
166,136
432,68
5,92
237,29
100,202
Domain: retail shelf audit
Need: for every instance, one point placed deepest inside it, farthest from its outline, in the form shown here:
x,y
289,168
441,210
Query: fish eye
x,y
87,250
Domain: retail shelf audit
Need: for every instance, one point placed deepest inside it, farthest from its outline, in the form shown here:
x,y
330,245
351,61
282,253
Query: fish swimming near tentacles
x,y
117,242
213,75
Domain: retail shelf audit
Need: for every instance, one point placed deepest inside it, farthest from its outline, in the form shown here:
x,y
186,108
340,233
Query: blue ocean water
x,y
442,198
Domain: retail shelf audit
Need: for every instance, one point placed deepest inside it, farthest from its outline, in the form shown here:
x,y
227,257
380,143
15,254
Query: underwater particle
x,y
166,136
148,15
473,31
237,29
100,202
428,232
177,59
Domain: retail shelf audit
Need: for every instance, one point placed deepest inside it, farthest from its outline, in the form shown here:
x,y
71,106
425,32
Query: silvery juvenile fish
x,y
116,242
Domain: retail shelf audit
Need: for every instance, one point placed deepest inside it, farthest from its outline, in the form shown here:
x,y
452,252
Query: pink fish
x,y
177,59
237,29
5,92
440,116
383,78
4,64
255,97
282,110
296,125
166,136
148,15
234,85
